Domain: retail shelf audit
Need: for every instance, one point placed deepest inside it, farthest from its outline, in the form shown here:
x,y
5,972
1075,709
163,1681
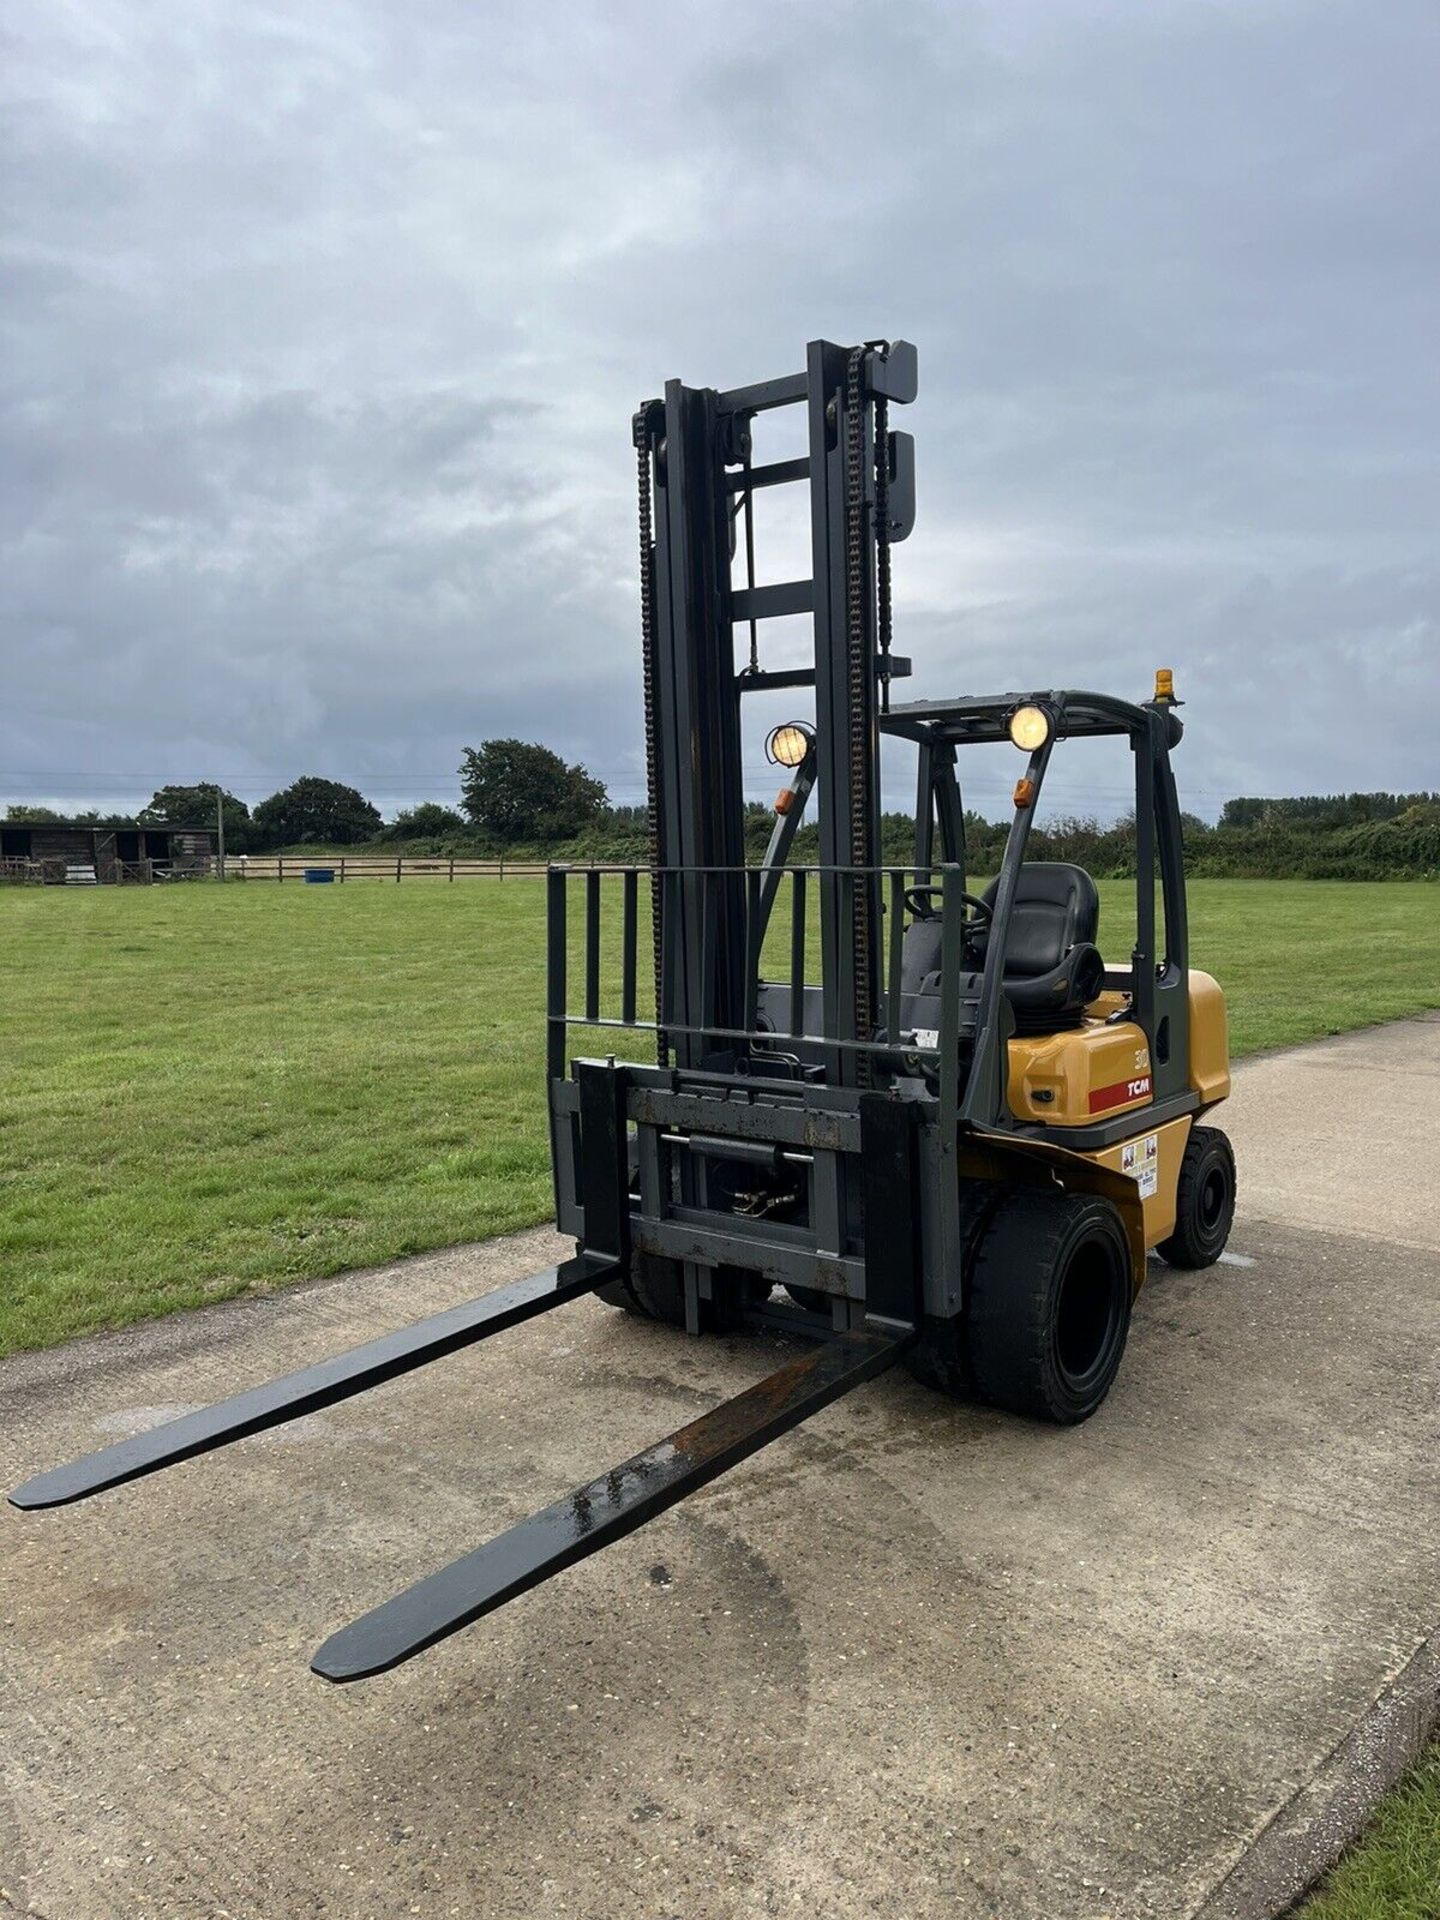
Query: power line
x,y
760,770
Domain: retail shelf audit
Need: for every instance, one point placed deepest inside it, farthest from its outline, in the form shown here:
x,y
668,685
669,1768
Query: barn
x,y
126,852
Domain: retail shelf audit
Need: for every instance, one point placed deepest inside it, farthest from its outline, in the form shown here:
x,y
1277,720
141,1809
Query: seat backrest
x,y
1057,906
920,953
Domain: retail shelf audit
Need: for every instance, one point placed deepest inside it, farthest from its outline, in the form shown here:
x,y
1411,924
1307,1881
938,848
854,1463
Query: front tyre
x,y
654,1288
1048,1307
1204,1201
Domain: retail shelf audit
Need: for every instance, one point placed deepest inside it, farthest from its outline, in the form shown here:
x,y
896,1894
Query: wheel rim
x,y
1213,1190
1088,1313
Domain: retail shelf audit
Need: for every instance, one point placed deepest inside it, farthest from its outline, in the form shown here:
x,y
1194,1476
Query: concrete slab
x,y
917,1660
1341,1135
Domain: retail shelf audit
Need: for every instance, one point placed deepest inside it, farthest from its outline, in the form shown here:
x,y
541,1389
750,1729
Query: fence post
x,y
555,956
342,869
279,868
452,869
502,866
397,869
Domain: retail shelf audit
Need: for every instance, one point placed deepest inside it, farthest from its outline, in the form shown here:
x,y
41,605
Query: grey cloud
x,y
322,331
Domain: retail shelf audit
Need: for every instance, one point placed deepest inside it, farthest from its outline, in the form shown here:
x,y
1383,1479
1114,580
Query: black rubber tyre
x,y
1048,1305
1204,1201
659,1286
624,1294
616,1293
654,1289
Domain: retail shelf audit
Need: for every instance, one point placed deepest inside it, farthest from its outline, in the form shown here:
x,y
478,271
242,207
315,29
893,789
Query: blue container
x,y
318,876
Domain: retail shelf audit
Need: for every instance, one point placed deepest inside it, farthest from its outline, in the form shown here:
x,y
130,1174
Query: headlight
x,y
1029,728
788,745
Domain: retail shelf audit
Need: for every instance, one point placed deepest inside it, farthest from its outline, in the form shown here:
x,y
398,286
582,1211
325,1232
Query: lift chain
x,y
644,443
882,543
859,668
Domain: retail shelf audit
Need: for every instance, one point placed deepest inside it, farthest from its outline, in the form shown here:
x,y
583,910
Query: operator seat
x,y
1053,968
920,955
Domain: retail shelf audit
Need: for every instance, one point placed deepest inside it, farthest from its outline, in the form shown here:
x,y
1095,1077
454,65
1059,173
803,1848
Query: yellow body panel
x,y
1096,1071
1209,1039
1092,1072
1152,1160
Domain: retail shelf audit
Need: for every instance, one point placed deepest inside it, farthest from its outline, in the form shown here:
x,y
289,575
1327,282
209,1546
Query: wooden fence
x,y
278,867
368,866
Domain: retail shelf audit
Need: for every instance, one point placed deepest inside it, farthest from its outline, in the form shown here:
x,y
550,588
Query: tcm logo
x,y
1121,1094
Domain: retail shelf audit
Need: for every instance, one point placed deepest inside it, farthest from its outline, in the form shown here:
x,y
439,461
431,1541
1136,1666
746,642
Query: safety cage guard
x,y
721,900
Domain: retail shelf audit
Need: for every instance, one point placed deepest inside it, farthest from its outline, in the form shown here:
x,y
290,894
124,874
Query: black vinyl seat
x,y
1053,968
920,955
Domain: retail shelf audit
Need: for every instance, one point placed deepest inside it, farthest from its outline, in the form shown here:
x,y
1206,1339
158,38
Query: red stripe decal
x,y
1121,1094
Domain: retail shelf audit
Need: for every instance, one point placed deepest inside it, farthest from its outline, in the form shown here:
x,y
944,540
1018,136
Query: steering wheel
x,y
917,902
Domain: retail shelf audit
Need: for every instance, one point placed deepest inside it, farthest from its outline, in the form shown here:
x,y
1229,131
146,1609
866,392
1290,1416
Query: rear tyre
x,y
1049,1305
1204,1201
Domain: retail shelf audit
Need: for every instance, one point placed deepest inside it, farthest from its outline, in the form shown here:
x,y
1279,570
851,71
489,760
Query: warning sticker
x,y
1141,1160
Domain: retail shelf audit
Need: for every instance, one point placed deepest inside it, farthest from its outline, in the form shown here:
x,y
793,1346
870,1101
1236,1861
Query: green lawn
x,y
206,1090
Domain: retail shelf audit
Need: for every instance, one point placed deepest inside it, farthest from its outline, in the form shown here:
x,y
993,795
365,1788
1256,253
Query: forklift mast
x,y
696,478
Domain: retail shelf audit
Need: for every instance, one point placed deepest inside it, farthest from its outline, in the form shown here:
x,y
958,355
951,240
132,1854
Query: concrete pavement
x,y
915,1660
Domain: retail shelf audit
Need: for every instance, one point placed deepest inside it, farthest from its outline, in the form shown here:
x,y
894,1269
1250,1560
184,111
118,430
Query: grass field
x,y
206,1090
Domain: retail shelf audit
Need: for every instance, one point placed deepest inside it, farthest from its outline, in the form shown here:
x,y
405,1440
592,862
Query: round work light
x,y
788,745
1029,728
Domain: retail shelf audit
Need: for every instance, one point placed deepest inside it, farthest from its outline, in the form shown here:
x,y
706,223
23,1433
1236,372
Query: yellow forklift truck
x,y
954,1148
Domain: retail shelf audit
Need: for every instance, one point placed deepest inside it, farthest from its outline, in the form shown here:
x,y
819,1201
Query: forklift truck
x,y
955,1148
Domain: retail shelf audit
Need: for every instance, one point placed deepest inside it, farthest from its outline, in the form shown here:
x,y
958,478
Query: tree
x,y
195,807
315,811
21,815
518,791
428,821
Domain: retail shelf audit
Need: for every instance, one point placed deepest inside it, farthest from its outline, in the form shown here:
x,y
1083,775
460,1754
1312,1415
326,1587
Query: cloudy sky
x,y
323,325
